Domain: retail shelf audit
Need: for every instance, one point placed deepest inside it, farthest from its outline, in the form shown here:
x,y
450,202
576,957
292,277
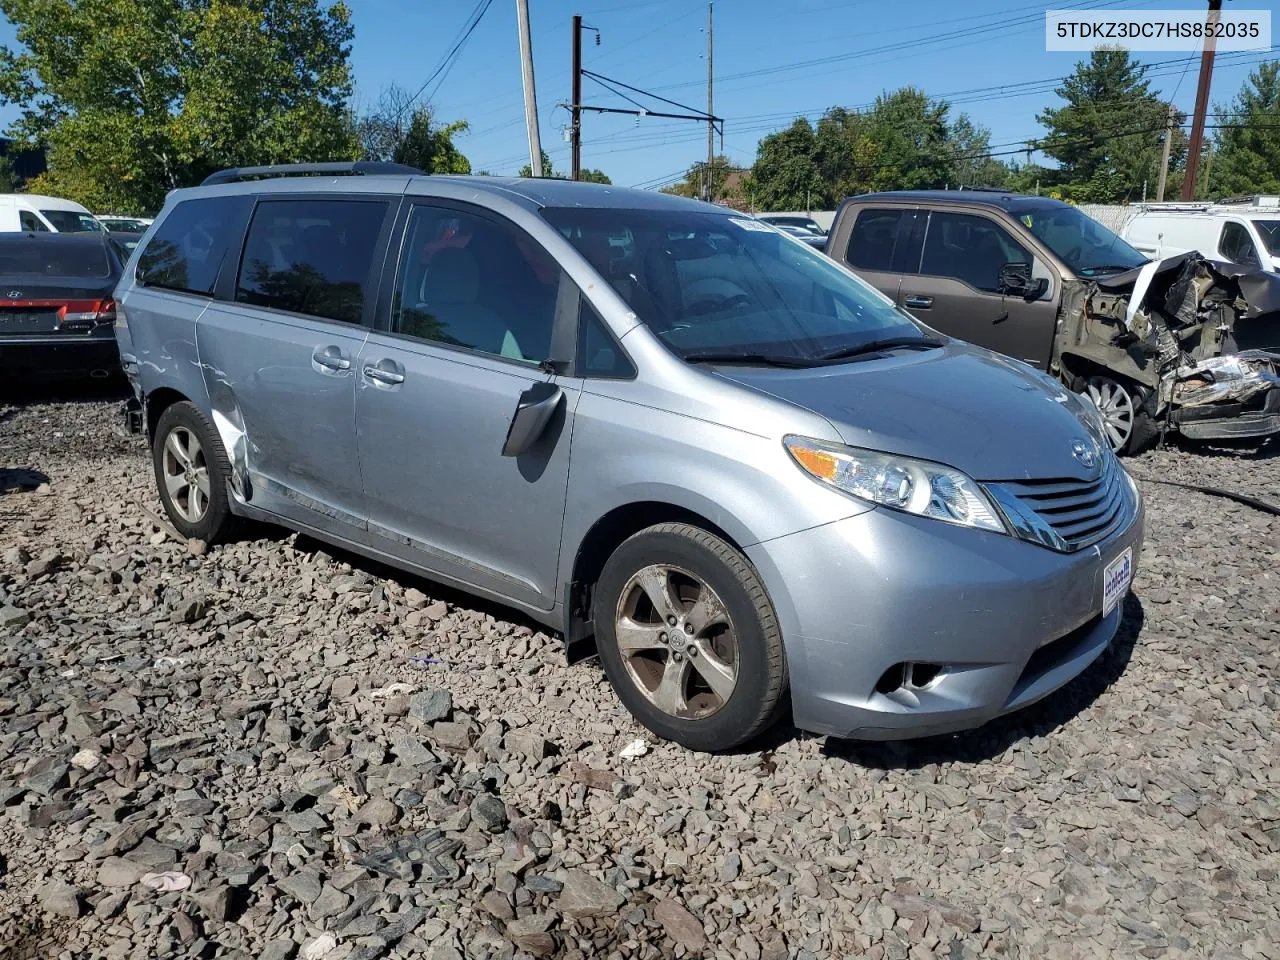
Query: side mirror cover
x,y
534,411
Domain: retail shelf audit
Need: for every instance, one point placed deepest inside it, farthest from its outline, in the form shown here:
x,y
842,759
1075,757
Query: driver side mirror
x,y
1016,281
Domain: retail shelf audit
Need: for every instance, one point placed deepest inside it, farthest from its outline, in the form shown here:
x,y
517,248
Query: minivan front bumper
x,y
991,623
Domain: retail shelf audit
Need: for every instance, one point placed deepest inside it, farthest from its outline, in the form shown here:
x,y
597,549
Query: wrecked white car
x,y
1182,345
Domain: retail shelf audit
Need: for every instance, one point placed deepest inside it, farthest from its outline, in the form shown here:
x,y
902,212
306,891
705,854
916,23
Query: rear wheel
x,y
191,473
689,639
1129,428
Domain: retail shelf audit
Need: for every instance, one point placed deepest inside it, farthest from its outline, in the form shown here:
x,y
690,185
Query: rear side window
x,y
31,223
311,256
191,243
874,232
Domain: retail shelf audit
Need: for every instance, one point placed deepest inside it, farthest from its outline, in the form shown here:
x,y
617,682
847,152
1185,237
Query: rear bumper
x,y
93,354
1003,622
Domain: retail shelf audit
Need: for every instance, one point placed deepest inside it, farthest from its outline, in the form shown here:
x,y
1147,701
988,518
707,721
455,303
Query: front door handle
x,y
331,358
385,371
920,303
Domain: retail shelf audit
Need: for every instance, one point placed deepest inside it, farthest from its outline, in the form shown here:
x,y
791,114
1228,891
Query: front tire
x,y
192,470
1128,427
689,639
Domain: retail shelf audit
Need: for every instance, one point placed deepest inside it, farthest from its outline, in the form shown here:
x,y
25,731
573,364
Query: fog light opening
x,y
893,679
920,675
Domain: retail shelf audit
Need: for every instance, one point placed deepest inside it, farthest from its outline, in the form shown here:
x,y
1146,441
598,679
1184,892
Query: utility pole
x,y
530,99
711,124
575,113
1164,155
1202,103
1208,168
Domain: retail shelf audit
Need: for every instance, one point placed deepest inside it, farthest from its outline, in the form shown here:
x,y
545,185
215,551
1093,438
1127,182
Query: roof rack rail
x,y
340,168
986,189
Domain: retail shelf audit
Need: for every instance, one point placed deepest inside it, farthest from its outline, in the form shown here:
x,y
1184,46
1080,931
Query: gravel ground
x,y
269,750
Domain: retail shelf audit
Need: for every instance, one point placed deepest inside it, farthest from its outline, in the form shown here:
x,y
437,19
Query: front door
x,y
957,289
280,361
471,318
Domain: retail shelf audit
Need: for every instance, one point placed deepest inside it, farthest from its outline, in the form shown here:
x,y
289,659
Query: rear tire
x,y
689,639
192,471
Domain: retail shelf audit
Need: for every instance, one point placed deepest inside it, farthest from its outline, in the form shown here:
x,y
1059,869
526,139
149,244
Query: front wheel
x,y
1128,427
689,639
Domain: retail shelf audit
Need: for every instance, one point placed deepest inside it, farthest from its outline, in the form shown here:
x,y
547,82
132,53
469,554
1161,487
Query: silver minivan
x,y
685,439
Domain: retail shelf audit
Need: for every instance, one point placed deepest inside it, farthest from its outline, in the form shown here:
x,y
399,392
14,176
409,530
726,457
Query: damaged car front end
x,y
1183,345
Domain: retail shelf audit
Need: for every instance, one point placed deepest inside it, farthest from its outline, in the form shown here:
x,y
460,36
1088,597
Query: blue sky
x,y
942,46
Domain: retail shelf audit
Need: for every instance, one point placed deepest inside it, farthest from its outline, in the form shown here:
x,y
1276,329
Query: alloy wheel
x,y
677,641
1116,405
186,474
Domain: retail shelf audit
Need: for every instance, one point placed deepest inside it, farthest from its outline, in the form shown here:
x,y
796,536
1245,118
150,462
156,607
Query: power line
x,y
446,64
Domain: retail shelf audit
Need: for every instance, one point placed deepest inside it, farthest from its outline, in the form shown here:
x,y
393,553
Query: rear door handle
x,y
331,358
385,371
920,303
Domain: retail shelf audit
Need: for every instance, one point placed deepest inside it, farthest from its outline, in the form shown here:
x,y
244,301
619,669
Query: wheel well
x,y
598,545
158,401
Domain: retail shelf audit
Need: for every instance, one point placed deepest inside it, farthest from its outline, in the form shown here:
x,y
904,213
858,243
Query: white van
x,y
30,212
1244,231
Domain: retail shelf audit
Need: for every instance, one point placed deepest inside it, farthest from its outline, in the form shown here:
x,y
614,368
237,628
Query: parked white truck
x,y
1244,231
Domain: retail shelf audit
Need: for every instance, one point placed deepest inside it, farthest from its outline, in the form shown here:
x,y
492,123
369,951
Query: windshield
x,y
19,256
708,285
68,221
1082,243
1269,230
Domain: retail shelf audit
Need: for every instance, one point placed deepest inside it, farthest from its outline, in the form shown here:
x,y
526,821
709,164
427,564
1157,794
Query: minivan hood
x,y
992,417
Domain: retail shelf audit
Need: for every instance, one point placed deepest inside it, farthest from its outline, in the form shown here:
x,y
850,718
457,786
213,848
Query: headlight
x,y
902,483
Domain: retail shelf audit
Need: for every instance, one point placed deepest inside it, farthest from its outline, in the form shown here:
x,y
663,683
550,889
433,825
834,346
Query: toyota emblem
x,y
1086,453
15,294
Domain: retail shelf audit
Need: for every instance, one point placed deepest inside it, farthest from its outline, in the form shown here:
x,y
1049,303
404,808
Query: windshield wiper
x,y
876,346
742,356
1118,267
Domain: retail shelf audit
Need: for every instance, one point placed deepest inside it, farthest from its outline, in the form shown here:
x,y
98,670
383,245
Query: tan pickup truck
x,y
1183,345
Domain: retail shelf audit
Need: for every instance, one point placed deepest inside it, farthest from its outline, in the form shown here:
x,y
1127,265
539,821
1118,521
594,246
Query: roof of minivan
x,y
538,192
985,198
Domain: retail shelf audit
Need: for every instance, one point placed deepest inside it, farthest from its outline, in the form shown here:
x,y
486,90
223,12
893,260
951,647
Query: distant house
x,y
26,163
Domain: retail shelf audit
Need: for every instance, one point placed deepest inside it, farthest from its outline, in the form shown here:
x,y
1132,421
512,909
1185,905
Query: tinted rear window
x,y
20,256
311,256
192,243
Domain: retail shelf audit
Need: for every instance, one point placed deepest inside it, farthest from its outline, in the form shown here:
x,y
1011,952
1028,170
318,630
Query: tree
x,y
1246,157
548,173
401,132
785,175
972,164
692,184
1107,138
135,97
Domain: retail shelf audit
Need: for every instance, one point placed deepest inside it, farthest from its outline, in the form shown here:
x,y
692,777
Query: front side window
x,y
871,243
1236,244
471,281
1269,231
970,249
191,243
68,221
1087,247
311,256
714,286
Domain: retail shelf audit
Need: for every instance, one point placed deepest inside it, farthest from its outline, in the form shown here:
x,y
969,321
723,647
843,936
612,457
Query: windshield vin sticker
x,y
751,225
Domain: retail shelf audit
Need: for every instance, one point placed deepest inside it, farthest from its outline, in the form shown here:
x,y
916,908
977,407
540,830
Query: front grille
x,y
1067,515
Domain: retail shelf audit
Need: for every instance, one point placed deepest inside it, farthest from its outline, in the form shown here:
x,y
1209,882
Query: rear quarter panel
x,y
158,336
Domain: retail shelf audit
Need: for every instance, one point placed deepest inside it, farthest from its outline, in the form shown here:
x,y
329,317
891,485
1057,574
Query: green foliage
x,y
904,142
1247,155
1107,138
549,173
135,97
692,184
8,179
397,130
